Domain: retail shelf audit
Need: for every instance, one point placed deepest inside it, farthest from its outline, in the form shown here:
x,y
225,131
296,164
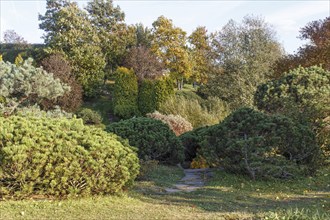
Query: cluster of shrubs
x,y
62,157
133,99
153,138
255,144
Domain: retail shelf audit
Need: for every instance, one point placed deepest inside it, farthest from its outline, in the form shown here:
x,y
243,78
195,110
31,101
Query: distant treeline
x,y
10,51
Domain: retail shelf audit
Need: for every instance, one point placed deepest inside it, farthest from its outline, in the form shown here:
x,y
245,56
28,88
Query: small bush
x,y
61,157
153,138
90,117
176,123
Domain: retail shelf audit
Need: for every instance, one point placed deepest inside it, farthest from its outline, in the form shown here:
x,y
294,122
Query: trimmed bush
x,y
261,146
176,123
62,157
147,97
125,93
153,138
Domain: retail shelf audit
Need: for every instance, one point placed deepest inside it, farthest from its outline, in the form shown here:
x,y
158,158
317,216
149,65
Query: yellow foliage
x,y
199,162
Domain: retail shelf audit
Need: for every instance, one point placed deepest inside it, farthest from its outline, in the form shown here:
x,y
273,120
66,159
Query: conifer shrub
x,y
176,123
125,93
61,158
255,144
147,97
153,138
153,93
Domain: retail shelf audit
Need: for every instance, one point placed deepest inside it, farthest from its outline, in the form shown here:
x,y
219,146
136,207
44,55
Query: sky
x,y
287,17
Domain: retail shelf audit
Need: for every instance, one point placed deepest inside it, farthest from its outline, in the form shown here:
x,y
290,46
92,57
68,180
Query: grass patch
x,y
226,196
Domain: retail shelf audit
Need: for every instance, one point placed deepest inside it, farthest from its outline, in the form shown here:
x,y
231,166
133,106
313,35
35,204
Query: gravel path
x,y
194,179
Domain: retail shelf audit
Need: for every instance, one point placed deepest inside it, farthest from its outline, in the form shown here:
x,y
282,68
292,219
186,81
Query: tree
x,y
115,36
201,54
69,31
25,85
169,45
316,52
125,93
143,35
60,68
11,37
144,63
246,53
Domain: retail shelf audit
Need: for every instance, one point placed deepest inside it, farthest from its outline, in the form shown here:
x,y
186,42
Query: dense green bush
x,y
90,117
261,146
61,157
147,97
302,94
125,93
198,112
153,138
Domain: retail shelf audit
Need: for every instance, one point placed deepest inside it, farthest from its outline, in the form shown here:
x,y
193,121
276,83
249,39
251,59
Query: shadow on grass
x,y
239,194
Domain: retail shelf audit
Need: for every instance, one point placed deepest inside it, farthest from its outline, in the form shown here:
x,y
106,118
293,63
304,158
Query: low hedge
x,y
62,157
153,138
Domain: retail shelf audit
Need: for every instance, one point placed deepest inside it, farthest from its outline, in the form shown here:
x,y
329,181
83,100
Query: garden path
x,y
194,179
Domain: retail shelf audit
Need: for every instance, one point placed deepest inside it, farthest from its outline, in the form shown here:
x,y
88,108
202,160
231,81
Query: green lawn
x,y
225,197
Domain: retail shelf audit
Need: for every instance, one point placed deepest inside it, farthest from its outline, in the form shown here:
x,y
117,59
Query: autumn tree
x,y
69,31
315,52
60,68
245,53
201,55
144,63
169,45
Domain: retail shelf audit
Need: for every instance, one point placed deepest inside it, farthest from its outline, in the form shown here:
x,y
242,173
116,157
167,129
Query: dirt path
x,y
193,180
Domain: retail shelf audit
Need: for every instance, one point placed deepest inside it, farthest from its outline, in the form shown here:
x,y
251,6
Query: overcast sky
x,y
287,17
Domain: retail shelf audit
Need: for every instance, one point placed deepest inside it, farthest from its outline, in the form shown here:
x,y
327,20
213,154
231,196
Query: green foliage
x,y
69,31
147,97
261,146
302,94
125,93
246,53
90,117
114,34
153,138
26,85
61,157
153,93
296,214
198,112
